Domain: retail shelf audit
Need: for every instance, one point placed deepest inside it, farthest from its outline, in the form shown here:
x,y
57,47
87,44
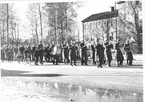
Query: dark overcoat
x,y
73,52
119,55
100,52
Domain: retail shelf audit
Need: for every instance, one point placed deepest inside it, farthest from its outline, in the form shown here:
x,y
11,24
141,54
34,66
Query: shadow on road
x,y
17,73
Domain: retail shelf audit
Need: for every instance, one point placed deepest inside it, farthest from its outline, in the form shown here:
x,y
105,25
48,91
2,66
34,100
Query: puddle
x,y
75,93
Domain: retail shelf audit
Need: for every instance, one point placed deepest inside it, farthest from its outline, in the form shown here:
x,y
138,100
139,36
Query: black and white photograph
x,y
71,51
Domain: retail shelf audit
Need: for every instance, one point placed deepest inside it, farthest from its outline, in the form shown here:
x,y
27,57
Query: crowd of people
x,y
100,53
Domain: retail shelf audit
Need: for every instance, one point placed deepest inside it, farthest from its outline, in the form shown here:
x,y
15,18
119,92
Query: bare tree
x,y
133,26
34,14
8,21
61,18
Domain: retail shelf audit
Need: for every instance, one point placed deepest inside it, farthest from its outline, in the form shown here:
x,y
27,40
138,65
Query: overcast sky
x,y
88,8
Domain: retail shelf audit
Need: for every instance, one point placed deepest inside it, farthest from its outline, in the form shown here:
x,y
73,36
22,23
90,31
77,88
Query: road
x,y
126,78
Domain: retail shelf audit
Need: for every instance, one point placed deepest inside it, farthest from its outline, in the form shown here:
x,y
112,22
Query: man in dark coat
x,y
41,52
66,52
84,54
2,54
36,55
46,53
119,55
127,48
73,53
109,46
22,51
100,53
33,50
93,53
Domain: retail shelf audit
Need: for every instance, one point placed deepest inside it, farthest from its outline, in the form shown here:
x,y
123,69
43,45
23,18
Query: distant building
x,y
110,25
100,26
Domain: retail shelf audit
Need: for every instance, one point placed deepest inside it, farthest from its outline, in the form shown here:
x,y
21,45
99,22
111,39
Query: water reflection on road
x,y
91,94
77,93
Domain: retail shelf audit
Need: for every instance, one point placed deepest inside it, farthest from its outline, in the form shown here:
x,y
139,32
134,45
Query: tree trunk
x,y
3,31
41,29
139,40
17,34
36,32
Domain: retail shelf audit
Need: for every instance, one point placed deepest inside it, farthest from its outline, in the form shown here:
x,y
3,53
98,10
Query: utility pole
x,y
83,31
7,23
116,20
56,25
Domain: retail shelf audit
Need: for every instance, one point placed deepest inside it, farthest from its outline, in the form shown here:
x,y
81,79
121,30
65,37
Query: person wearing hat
x,y
84,57
36,55
100,53
73,53
93,52
119,55
41,52
129,56
66,52
108,47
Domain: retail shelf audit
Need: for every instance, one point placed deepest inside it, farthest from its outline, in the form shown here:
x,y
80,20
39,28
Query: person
x,y
33,51
27,54
41,52
36,55
9,54
52,53
129,55
55,53
66,52
22,51
2,54
93,52
109,46
100,53
46,53
119,55
15,51
19,56
84,57
73,53
12,53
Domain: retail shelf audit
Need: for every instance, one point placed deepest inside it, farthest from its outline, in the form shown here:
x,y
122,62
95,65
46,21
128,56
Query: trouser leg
x,y
86,59
36,60
74,61
41,59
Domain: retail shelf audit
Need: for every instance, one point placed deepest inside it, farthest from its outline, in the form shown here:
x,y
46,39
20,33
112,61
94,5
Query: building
x,y
100,26
112,25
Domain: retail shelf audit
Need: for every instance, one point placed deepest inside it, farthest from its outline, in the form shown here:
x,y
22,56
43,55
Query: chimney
x,y
112,9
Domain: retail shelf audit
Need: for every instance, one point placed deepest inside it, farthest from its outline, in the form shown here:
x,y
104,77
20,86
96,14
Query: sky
x,y
88,8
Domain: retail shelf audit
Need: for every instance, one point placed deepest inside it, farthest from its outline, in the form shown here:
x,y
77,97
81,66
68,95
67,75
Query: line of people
x,y
69,53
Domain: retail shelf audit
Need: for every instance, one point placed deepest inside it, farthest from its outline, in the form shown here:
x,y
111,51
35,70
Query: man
x,y
109,46
93,52
129,55
2,54
119,55
22,51
33,51
36,55
46,53
66,52
84,54
100,53
15,51
73,53
41,52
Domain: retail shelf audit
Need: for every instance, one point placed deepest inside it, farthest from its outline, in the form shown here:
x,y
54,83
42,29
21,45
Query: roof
x,y
99,16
